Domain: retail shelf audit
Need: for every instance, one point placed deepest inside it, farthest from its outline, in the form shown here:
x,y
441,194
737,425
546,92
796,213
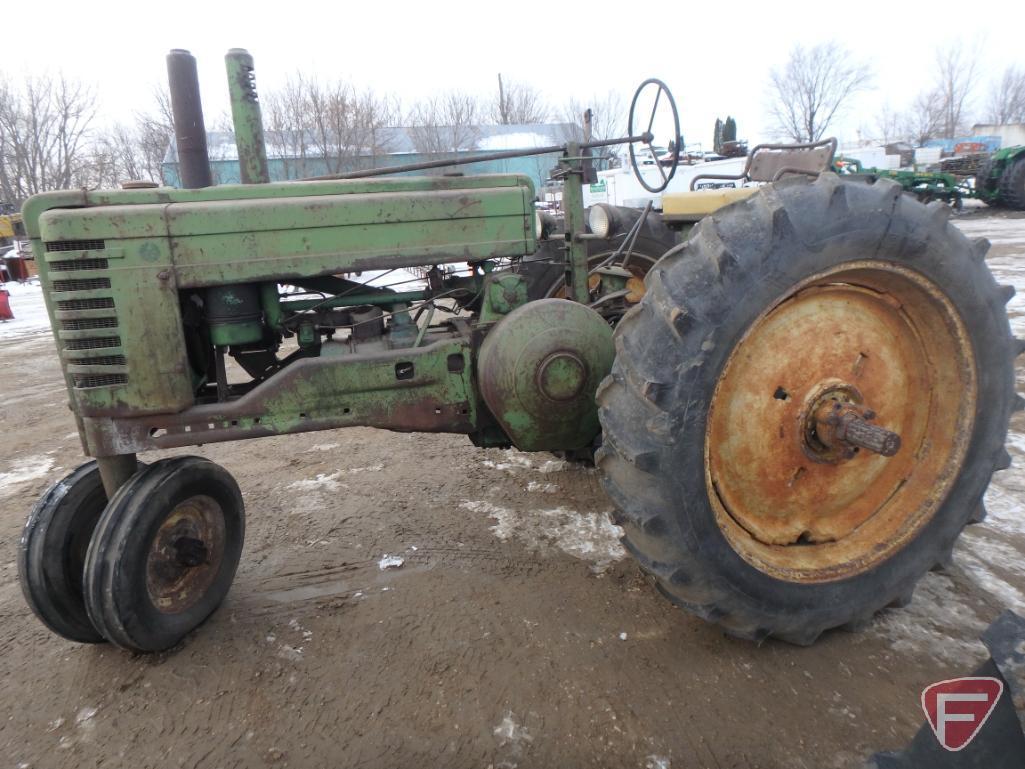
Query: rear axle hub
x,y
838,425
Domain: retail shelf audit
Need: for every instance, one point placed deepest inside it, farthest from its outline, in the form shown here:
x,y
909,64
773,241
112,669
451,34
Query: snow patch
x,y
997,231
514,141
321,483
291,653
390,562
511,733
27,469
544,488
587,536
940,622
1004,508
29,310
369,469
514,461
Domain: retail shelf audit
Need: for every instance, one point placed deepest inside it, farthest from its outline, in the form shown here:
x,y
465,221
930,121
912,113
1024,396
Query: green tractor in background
x,y
1000,180
795,396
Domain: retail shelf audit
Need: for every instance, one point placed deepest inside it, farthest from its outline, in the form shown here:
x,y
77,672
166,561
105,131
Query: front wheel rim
x,y
186,554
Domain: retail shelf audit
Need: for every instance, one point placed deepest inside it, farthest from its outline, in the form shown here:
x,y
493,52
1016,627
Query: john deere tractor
x,y
1000,180
795,395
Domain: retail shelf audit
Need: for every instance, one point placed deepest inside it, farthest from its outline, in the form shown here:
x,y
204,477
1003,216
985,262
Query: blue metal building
x,y
290,156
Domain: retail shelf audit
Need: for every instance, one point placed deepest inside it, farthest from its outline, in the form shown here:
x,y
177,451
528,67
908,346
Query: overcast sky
x,y
714,56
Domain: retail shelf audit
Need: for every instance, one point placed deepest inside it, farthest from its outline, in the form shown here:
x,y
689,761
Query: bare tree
x,y
517,104
445,124
154,131
813,88
889,124
332,122
608,116
955,81
1007,99
131,151
286,114
44,125
923,119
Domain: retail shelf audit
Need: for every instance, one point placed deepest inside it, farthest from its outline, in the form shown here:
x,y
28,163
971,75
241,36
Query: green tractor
x,y
794,395
1000,180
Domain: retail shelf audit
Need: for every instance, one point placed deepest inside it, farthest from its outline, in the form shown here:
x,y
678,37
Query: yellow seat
x,y
693,206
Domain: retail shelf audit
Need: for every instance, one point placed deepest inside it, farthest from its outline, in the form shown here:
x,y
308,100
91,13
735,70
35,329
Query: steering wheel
x,y
648,137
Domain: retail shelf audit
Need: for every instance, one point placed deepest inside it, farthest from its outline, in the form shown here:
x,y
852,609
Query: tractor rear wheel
x,y
164,553
984,182
1012,184
807,405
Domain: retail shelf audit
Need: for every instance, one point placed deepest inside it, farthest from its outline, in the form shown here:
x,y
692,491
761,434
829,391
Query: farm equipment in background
x,y
1001,179
11,225
795,404
998,179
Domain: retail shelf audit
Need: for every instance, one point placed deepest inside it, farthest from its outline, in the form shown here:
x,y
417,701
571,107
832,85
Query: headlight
x,y
599,221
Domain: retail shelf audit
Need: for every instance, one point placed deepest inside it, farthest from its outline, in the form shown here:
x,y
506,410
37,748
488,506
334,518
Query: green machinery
x,y
999,180
746,386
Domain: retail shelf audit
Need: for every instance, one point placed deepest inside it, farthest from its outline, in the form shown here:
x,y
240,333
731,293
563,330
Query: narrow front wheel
x,y
164,553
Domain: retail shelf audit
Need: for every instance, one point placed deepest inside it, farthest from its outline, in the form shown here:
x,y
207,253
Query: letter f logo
x,y
958,708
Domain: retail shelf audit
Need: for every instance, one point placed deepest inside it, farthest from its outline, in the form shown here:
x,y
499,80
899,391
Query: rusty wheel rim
x,y
875,337
185,555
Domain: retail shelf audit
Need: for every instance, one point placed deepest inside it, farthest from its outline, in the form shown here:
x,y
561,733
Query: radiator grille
x,y
66,265
99,380
83,324
100,360
95,350
84,284
106,303
96,343
75,245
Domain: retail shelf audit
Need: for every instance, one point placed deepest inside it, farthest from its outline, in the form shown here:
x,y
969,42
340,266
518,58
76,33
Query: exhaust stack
x,y
187,112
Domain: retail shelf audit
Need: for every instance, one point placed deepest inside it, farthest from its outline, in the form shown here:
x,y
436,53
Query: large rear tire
x,y
808,295
1012,184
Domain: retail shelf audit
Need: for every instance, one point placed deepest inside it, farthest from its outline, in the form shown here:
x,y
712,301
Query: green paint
x,y
245,113
573,210
538,370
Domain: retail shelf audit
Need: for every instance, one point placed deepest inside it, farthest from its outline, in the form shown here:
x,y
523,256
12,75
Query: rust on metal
x,y
185,555
846,426
809,492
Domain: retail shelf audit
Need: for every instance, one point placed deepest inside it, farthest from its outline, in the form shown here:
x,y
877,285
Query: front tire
x,y
806,292
164,553
52,552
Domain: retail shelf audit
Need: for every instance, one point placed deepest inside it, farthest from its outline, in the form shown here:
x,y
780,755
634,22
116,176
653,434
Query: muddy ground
x,y
514,633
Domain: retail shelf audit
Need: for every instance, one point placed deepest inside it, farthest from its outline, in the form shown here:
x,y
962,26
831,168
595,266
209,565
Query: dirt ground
x,y
514,633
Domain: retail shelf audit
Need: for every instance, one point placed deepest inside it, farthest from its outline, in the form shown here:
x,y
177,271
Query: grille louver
x,y
79,264
85,284
97,343
86,355
75,245
84,381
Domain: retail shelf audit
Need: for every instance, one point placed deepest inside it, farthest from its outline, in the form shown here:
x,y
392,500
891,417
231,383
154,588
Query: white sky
x,y
714,56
